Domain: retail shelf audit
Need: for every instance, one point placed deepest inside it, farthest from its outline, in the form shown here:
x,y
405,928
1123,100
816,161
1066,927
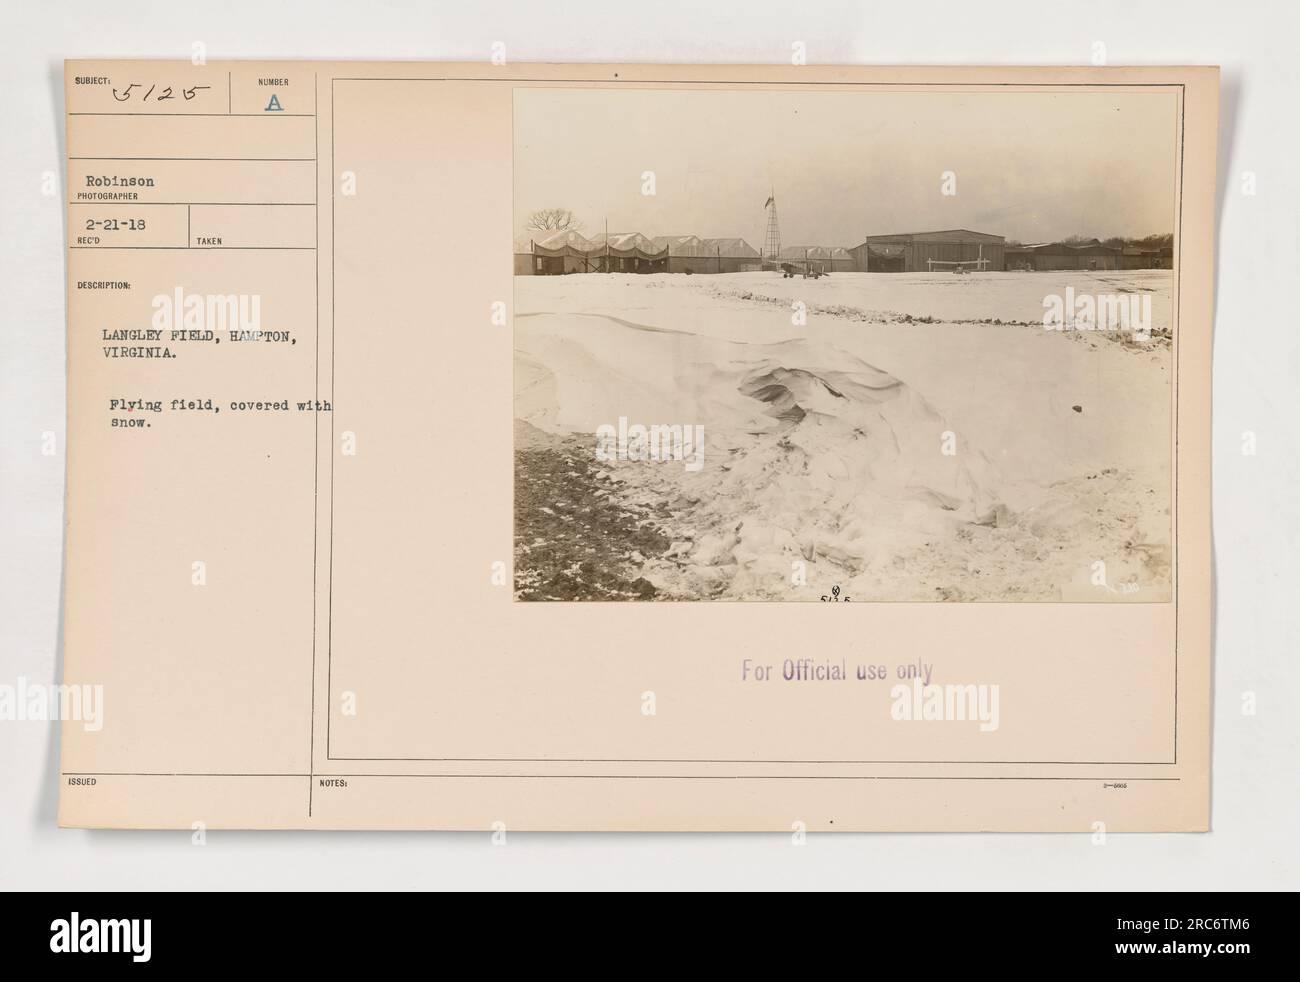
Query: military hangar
x,y
921,252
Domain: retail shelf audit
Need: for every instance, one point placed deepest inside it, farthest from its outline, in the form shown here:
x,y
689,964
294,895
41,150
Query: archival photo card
x,y
396,390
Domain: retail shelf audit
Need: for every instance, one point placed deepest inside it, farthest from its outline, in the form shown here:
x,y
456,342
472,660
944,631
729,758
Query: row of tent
x,y
549,253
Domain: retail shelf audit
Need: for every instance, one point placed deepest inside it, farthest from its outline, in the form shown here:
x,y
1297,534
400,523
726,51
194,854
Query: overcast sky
x,y
1032,166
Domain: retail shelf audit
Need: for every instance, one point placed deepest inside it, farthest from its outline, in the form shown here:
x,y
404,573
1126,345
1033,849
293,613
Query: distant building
x,y
1142,257
912,252
1064,255
829,259
1018,257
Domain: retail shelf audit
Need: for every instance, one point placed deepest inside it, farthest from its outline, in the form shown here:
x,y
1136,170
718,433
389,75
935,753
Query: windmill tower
x,y
772,244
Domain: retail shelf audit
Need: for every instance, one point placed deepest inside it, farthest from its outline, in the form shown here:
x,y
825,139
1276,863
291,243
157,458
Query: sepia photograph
x,y
877,344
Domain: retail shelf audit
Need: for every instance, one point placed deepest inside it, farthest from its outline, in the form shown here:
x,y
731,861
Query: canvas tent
x,y
692,254
540,253
628,252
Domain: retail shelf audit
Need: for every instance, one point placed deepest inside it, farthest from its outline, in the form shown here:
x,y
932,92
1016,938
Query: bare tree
x,y
554,219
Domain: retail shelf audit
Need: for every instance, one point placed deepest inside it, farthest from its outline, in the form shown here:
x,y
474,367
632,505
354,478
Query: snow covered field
x,y
919,437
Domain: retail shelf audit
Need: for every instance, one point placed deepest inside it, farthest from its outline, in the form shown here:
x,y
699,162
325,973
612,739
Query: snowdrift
x,y
810,452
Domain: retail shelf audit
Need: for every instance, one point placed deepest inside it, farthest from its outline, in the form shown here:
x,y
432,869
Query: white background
x,y
1256,376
